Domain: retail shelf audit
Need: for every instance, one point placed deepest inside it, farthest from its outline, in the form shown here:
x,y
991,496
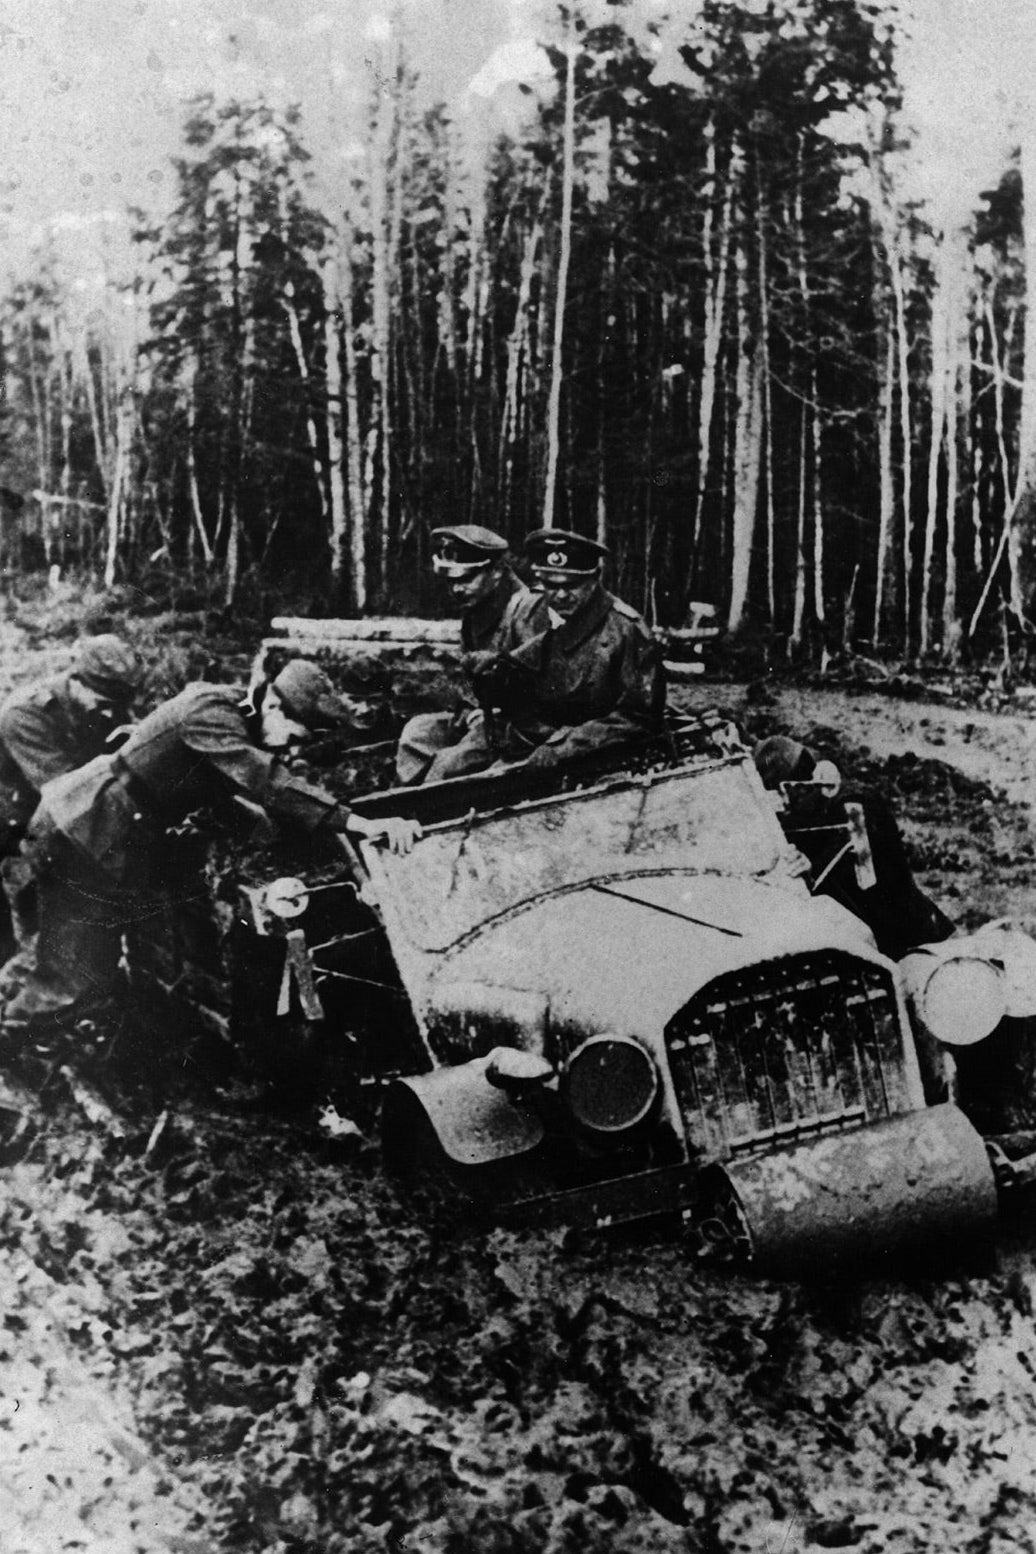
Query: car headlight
x,y
959,997
609,1084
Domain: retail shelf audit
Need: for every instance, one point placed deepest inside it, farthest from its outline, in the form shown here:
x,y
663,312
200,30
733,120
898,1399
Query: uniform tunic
x,y
590,681
100,844
193,752
506,618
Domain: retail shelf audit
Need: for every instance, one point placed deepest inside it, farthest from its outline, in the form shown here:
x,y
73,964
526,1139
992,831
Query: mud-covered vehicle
x,y
631,1010
604,998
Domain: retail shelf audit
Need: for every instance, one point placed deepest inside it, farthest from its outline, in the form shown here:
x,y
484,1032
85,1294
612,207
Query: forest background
x,y
707,278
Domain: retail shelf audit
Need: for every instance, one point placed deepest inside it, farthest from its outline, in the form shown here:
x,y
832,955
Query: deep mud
x,y
224,1331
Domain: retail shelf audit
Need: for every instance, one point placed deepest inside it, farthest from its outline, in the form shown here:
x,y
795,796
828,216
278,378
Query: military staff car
x,y
603,997
626,1007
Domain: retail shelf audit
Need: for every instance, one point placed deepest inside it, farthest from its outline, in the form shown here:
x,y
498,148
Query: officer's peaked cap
x,y
468,542
558,550
309,696
109,666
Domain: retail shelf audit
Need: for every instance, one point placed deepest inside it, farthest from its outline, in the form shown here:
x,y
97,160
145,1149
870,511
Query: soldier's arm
x,y
526,618
506,680
220,736
34,742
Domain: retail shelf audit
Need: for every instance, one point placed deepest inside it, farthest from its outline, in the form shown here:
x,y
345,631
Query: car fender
x,y
473,1123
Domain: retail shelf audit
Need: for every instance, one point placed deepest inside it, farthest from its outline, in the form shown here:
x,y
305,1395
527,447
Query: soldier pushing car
x,y
102,843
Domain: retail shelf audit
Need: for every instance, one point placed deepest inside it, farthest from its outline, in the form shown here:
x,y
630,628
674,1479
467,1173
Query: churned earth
x,y
223,1330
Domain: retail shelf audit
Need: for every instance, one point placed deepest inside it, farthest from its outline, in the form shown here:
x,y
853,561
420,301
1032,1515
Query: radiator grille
x,y
787,1049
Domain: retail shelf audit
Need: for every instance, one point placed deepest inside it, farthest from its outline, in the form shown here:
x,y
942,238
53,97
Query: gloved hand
x,y
479,662
398,834
544,758
793,864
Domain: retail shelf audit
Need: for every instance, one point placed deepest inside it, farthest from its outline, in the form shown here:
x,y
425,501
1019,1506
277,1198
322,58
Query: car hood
x,y
625,953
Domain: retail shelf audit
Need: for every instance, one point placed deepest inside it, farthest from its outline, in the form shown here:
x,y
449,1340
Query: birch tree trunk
x,y
561,289
380,433
359,500
973,435
297,345
939,333
819,551
102,458
947,310
330,281
899,306
799,607
119,482
1021,545
816,425
607,290
207,550
715,303
474,288
958,371
748,415
244,433
514,382
63,379
1010,485
886,485
767,405
41,413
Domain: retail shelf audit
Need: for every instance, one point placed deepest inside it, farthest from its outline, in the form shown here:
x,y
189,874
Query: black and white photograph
x,y
517,776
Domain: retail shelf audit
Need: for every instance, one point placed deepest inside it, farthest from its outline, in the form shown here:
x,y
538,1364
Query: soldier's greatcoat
x,y
42,735
505,619
592,680
501,622
596,679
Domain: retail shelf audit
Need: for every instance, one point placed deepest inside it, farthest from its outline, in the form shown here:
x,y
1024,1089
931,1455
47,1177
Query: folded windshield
x,y
705,820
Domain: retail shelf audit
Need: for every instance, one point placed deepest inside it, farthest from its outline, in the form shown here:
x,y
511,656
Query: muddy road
x,y
224,1331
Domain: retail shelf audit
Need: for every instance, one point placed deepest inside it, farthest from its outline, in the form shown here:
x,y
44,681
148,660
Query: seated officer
x,y
853,845
593,678
497,612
